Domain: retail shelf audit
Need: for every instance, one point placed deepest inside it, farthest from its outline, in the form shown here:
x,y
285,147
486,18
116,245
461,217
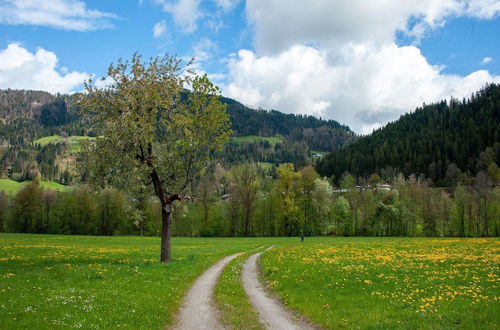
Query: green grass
x,y
74,141
55,186
255,138
51,281
12,187
236,311
48,139
265,165
389,283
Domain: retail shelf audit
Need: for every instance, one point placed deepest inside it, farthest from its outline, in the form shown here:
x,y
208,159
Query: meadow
x,y
74,141
60,281
255,138
11,187
390,283
50,281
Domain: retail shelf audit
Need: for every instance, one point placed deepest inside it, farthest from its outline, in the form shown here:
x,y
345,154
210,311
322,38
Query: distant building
x,y
384,186
225,197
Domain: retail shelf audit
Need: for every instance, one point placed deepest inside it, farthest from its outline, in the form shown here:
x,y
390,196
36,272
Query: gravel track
x,y
272,313
198,311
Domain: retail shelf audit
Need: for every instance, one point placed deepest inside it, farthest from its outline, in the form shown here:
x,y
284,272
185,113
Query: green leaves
x,y
149,128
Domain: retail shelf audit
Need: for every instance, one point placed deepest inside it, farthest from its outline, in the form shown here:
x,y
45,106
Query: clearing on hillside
x,y
12,187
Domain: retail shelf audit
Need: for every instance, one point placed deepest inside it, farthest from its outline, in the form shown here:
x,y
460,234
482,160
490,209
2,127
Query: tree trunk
x,y
205,213
166,233
247,221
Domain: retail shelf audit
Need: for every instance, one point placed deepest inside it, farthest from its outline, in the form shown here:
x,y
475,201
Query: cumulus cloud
x,y
60,14
339,59
365,89
21,69
334,23
184,12
159,29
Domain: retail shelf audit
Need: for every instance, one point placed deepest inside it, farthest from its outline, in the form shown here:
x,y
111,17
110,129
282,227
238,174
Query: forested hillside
x,y
28,116
318,134
441,141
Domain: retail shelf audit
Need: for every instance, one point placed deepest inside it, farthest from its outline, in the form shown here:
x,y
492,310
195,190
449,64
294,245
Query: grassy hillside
x,y
255,138
12,187
74,141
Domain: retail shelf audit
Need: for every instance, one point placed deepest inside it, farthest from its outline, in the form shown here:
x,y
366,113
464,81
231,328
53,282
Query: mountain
x,y
318,134
260,135
435,140
44,112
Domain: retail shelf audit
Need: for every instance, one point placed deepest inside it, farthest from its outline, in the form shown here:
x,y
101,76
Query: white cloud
x,y
20,69
203,49
103,82
185,13
159,29
226,5
486,9
215,24
486,60
339,59
334,23
364,89
60,14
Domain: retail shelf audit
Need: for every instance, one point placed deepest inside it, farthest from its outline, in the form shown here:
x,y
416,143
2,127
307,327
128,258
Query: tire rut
x,y
271,311
198,310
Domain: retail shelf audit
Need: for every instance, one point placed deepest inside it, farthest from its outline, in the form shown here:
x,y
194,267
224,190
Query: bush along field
x,y
385,283
100,282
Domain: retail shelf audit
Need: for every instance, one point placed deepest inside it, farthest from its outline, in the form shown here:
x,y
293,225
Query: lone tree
x,y
152,131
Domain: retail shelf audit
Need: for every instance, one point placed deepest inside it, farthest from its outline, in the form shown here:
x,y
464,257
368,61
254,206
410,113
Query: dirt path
x,y
198,311
272,313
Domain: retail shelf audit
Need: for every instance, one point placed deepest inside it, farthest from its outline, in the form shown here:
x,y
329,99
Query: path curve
x,y
198,311
271,312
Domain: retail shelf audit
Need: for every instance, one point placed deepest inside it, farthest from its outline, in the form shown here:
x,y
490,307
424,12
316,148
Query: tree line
x,y
248,200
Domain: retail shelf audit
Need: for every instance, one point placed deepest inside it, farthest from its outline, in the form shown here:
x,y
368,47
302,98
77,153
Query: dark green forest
x,y
441,141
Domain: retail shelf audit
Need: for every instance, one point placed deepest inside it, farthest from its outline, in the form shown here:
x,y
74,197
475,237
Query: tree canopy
x,y
151,134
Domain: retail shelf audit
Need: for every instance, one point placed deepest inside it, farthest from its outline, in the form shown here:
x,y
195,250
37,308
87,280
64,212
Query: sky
x,y
360,62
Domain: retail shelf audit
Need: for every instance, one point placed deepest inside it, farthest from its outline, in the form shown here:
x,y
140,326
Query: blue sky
x,y
360,62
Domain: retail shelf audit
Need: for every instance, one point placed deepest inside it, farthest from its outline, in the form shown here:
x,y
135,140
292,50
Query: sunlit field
x,y
49,281
390,282
100,282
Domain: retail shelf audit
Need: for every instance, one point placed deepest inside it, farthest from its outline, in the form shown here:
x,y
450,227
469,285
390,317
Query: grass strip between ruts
x,y
235,309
